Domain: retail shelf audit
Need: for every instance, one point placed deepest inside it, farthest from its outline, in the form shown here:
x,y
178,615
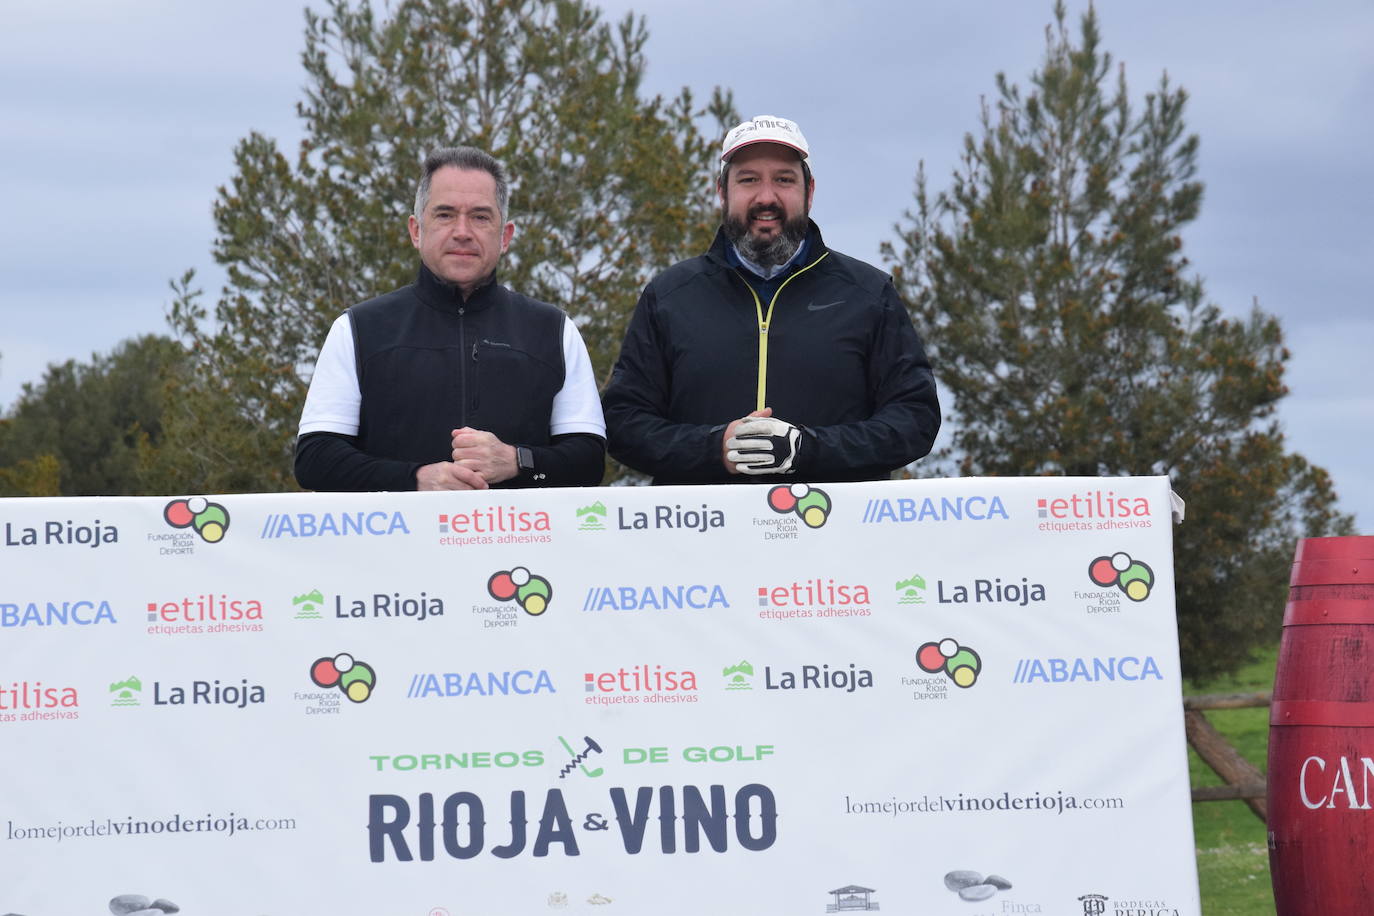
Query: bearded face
x,y
765,203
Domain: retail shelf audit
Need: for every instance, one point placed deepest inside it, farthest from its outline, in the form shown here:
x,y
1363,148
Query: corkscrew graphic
x,y
592,748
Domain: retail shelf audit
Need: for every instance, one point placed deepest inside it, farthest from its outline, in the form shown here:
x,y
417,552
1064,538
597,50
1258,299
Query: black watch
x,y
524,458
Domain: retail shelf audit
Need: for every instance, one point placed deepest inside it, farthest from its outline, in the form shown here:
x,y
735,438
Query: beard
x,y
765,252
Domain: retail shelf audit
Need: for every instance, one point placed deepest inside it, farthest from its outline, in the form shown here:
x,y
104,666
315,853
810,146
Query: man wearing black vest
x,y
771,357
453,382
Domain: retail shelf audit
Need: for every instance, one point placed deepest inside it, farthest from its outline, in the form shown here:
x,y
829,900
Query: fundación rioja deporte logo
x,y
354,679
533,593
207,519
1134,578
811,504
958,663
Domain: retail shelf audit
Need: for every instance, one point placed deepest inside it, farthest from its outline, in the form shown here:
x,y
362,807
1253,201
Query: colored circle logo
x,y
209,520
533,593
354,679
811,505
958,663
1134,578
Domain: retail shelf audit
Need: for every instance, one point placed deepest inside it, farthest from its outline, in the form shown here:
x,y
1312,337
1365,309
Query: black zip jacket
x,y
842,360
428,362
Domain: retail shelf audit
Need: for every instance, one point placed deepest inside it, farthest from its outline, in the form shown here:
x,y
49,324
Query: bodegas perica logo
x,y
811,504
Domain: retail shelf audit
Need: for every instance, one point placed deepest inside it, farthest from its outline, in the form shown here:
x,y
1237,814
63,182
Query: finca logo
x,y
739,677
207,519
1134,578
354,679
1093,670
592,518
126,692
533,593
960,664
945,509
332,524
811,504
56,614
654,598
911,590
308,605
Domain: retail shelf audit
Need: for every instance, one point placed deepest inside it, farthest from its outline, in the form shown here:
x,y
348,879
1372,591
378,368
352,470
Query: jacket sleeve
x,y
906,410
569,460
636,401
332,462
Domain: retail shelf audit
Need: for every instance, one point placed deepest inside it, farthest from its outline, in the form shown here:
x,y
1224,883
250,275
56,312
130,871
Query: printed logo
x,y
494,525
532,593
591,747
209,693
1093,510
1090,670
817,677
813,598
671,518
654,598
384,606
912,590
1093,904
479,684
207,519
1134,578
354,679
332,524
739,677
30,701
456,759
1318,789
639,684
852,899
974,886
960,664
126,692
65,533
810,504
308,605
56,614
929,509
200,614
592,518
990,591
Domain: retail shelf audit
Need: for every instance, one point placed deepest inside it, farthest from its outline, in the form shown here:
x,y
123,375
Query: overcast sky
x,y
118,120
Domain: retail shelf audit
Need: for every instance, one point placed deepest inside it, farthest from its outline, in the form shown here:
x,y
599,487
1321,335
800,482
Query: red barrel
x,y
1321,734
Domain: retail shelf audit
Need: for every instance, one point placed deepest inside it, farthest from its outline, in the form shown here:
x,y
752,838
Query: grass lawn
x,y
1232,857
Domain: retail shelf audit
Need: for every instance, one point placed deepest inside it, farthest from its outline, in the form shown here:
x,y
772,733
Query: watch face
x,y
525,458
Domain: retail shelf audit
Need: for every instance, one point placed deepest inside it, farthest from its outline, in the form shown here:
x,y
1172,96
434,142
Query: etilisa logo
x,y
82,613
739,677
354,679
494,525
207,519
642,683
30,701
912,591
1093,510
929,509
209,613
361,523
126,692
1132,577
810,598
654,598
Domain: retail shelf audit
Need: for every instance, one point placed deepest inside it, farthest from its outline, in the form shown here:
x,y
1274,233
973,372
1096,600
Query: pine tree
x,y
608,186
1063,317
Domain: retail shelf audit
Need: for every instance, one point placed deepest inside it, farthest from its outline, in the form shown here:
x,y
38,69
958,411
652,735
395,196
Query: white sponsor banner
x,y
935,697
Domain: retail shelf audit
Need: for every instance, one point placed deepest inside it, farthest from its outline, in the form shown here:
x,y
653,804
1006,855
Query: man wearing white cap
x,y
770,357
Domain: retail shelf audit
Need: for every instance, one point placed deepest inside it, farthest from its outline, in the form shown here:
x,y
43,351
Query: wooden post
x,y
1218,754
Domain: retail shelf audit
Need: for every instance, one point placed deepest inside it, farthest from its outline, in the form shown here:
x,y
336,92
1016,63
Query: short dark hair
x,y
468,158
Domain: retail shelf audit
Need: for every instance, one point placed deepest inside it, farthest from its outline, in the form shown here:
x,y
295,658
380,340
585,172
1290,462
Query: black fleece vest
x,y
429,363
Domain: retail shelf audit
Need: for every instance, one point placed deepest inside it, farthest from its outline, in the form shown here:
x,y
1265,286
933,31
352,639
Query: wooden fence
x,y
1243,780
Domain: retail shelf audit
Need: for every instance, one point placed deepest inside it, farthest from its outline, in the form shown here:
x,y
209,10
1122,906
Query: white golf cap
x,y
764,129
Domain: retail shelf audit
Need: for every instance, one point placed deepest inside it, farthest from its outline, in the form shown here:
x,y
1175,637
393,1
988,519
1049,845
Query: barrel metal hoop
x,y
1321,712
1332,572
1328,610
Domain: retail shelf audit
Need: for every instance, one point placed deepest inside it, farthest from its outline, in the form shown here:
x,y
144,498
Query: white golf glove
x,y
764,445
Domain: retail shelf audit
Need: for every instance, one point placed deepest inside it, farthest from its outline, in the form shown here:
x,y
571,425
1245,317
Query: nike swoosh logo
x,y
816,308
